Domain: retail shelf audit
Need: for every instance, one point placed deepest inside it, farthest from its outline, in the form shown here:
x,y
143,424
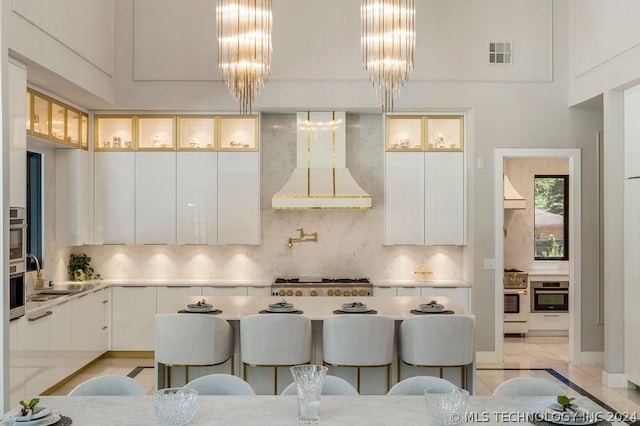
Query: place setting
x,y
29,414
433,307
282,307
566,412
202,307
355,308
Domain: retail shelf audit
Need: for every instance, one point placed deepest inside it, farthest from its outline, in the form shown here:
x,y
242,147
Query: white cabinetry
x,y
458,295
133,318
155,198
404,198
424,198
60,343
384,291
114,197
17,103
444,198
224,291
89,325
238,198
38,360
169,300
631,283
17,353
632,132
197,198
73,203
558,322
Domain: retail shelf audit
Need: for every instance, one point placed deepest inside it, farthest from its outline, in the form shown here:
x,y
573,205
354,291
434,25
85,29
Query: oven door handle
x,y
515,291
552,291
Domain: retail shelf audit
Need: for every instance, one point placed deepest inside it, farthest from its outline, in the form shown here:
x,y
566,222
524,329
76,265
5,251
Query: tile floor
x,y
529,356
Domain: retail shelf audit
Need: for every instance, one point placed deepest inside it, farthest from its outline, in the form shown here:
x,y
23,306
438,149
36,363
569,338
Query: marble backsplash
x,y
349,242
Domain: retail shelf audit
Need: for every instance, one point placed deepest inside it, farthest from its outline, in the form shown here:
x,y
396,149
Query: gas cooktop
x,y
316,281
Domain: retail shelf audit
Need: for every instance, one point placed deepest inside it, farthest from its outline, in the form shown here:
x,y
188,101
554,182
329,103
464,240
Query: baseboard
x,y
614,380
486,357
548,333
591,358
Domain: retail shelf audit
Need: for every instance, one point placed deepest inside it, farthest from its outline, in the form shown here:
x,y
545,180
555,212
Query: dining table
x,y
279,410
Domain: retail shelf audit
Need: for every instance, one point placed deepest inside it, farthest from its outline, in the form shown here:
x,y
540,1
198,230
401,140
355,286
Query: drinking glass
x,y
446,406
309,380
175,406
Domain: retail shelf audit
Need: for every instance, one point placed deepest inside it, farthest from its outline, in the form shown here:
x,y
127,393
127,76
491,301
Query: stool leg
x,y
464,377
275,382
244,372
169,376
186,377
388,377
358,378
399,378
233,365
441,372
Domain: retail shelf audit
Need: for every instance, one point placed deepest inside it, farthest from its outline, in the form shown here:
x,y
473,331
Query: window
x,y
34,210
551,226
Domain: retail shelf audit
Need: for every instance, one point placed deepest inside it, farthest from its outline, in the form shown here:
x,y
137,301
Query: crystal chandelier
x,y
244,47
388,41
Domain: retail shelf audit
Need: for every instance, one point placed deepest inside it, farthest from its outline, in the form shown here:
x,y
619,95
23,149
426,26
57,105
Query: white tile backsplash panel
x,y
349,242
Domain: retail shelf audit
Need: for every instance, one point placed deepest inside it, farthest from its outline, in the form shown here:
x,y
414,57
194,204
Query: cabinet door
x,y
258,291
384,291
549,321
38,357
155,197
197,198
404,198
73,204
238,198
114,197
17,86
170,300
60,345
444,198
408,291
632,132
133,311
224,291
17,353
458,295
631,284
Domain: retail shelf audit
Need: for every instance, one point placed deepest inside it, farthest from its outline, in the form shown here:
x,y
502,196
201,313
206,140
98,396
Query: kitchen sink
x,y
40,297
71,288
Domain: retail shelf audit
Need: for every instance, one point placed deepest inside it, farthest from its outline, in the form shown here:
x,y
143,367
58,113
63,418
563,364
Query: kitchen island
x,y
317,309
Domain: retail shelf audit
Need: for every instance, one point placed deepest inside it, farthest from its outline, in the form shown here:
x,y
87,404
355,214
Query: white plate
x,y
281,305
356,309
281,310
200,309
45,421
428,306
202,305
351,305
579,419
425,309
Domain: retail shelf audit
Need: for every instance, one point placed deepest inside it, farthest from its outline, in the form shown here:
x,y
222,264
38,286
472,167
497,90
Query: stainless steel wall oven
x,y
549,296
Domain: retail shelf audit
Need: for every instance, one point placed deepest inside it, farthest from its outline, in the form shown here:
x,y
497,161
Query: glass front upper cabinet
x,y
41,115
238,133
84,131
156,133
58,113
73,127
113,133
29,109
404,133
444,133
196,133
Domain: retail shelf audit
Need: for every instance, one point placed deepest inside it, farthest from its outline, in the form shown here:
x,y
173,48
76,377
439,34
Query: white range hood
x,y
512,198
321,179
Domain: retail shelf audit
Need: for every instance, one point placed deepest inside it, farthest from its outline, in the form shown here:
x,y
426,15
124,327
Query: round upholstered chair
x,y
441,341
358,340
108,386
332,385
274,340
191,340
418,384
220,384
527,386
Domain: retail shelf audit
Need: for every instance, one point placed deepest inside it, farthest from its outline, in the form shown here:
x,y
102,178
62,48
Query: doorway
x,y
572,156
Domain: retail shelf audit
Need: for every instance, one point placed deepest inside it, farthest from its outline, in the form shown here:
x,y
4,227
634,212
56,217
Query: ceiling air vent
x,y
500,53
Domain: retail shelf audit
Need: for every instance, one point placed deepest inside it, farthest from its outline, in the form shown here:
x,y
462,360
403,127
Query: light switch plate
x,y
489,264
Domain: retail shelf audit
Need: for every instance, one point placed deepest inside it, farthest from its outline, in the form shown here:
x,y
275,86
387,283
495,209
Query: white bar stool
x,y
436,341
195,340
274,340
358,340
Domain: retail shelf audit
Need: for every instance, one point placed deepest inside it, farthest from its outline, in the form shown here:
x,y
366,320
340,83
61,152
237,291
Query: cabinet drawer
x,y
550,321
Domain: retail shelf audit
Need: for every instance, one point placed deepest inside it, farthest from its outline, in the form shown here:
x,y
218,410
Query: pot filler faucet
x,y
303,238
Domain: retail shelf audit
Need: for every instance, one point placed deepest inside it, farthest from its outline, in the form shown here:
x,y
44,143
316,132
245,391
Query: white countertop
x,y
282,410
417,283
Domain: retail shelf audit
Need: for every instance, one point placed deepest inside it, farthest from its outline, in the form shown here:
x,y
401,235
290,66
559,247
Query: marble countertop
x,y
282,410
421,283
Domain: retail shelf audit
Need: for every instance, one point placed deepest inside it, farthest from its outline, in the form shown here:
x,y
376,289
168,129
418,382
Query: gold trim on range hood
x,y
512,198
321,179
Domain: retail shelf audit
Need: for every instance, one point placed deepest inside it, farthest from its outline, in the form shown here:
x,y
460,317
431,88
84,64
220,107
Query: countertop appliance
x,y
516,302
314,286
549,296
